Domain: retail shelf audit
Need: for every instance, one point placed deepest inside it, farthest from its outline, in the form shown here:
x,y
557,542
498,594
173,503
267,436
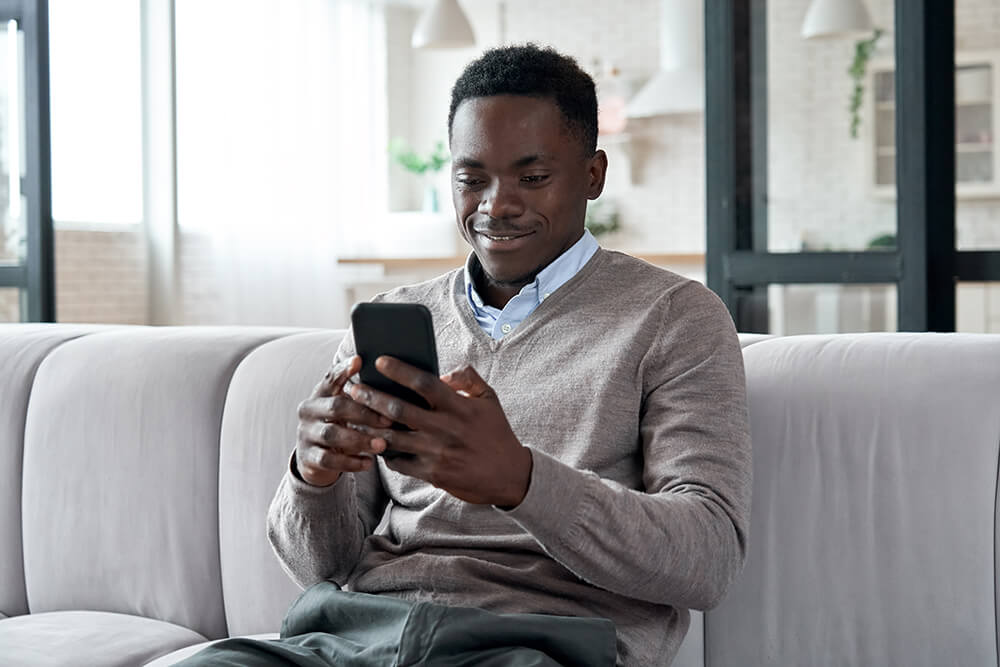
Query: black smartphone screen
x,y
401,330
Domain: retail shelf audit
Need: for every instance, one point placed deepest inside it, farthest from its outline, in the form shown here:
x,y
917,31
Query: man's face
x,y
520,183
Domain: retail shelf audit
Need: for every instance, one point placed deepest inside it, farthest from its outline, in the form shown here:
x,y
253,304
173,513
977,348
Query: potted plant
x,y
421,165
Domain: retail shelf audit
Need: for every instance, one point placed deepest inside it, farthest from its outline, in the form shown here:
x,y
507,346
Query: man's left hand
x,y
463,444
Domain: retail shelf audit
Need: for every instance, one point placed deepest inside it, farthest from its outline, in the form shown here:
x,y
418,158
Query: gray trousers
x,y
326,626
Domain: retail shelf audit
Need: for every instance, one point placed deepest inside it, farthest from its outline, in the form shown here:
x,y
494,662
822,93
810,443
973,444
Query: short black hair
x,y
533,71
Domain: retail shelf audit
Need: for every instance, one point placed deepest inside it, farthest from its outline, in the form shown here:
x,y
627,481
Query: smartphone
x,y
401,330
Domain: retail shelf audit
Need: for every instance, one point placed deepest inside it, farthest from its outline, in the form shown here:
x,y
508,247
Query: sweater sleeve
x,y
682,540
316,532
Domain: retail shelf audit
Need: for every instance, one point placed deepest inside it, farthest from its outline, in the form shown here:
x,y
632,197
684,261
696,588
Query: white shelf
x,y
977,123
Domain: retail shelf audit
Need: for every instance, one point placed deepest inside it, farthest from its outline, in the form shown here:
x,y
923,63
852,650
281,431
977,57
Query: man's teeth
x,y
500,238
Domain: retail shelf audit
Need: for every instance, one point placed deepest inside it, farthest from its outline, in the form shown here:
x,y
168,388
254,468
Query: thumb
x,y
468,380
335,379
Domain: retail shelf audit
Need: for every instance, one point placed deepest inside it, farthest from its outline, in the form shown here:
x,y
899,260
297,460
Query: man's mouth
x,y
506,240
502,234
505,237
503,240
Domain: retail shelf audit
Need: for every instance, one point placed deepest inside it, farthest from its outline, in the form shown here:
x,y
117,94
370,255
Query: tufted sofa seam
x,y
24,424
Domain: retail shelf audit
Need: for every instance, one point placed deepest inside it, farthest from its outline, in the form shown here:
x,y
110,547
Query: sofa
x,y
137,465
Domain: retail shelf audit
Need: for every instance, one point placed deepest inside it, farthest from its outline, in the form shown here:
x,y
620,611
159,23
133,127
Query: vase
x,y
430,204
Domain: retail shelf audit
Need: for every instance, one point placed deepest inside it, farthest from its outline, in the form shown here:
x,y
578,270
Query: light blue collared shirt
x,y
498,323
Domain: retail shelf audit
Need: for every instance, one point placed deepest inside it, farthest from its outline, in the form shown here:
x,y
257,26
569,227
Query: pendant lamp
x,y
443,26
836,18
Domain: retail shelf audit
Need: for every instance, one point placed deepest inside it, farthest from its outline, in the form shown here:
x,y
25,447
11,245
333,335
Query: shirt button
x,y
546,296
506,328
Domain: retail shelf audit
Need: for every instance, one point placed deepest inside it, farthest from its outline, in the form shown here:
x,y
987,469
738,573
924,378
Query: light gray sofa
x,y
137,464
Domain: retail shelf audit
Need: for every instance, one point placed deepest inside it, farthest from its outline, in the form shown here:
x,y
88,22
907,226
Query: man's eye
x,y
468,182
534,179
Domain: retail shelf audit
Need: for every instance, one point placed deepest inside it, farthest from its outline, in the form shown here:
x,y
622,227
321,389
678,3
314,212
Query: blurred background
x,y
272,162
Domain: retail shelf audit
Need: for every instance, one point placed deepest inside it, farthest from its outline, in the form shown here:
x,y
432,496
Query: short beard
x,y
483,279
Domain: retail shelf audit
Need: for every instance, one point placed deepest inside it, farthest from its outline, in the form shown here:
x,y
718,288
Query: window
x,y
280,115
96,93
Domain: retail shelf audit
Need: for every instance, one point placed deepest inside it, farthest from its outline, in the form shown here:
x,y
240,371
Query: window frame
x,y
36,276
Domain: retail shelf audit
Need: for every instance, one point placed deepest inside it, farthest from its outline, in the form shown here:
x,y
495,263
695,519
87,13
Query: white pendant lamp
x,y
836,18
443,26
679,85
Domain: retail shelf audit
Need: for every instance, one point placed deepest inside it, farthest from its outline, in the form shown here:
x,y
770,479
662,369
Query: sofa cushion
x,y
22,349
873,522
92,638
120,506
188,651
258,434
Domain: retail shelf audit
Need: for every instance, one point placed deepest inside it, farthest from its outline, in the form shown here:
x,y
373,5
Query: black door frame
x,y
925,266
36,277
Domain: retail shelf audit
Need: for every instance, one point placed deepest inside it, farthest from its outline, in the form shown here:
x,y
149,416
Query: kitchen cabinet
x,y
977,116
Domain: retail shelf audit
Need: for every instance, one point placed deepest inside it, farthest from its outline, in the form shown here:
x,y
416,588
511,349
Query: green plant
x,y
883,242
411,161
863,50
601,218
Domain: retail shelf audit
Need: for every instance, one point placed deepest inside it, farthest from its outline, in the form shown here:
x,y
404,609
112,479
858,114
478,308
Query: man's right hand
x,y
329,439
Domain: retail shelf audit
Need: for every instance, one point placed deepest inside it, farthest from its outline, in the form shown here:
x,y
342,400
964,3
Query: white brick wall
x,y
10,305
199,295
818,188
101,276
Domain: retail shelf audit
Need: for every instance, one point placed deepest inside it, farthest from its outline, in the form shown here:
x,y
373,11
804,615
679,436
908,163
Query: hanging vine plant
x,y
863,51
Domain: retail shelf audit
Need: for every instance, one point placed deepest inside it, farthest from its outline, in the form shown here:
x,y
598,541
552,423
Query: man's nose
x,y
502,200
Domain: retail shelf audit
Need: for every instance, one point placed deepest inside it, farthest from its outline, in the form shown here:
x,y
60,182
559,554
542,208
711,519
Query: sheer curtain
x,y
281,143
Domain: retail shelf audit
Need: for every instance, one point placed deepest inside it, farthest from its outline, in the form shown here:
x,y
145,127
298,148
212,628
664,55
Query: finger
x,y
469,381
341,409
389,406
341,439
316,461
334,380
407,442
426,384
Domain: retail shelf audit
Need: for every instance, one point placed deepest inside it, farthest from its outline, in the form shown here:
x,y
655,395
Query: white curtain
x,y
281,134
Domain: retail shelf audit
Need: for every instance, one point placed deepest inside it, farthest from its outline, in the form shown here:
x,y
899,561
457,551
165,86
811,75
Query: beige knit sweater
x,y
627,384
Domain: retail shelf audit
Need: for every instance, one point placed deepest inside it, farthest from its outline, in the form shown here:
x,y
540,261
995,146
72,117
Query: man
x,y
588,459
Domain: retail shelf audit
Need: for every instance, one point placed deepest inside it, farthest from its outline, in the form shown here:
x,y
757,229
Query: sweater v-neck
x,y
537,317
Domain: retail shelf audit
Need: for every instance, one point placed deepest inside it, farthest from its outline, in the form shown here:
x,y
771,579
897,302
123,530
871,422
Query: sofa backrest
x,y
120,473
873,528
258,435
22,349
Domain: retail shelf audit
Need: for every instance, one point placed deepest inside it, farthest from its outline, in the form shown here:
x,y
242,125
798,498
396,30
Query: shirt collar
x,y
548,280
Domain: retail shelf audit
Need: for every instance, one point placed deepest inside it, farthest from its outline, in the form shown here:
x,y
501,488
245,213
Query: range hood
x,y
679,85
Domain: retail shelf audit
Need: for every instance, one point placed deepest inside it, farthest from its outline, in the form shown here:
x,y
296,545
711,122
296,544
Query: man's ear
x,y
597,168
